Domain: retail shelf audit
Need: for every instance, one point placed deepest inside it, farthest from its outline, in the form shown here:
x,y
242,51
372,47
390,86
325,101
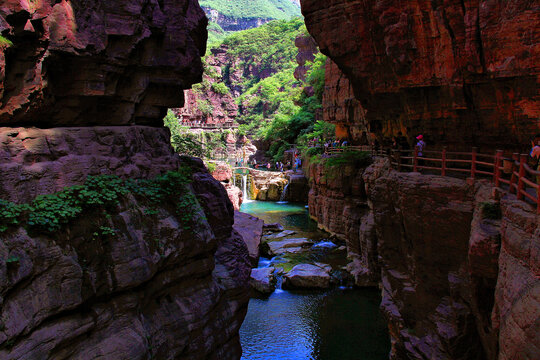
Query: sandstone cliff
x,y
95,80
462,72
457,282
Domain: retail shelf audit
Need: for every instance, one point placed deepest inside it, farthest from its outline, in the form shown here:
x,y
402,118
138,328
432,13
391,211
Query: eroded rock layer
x,y
462,72
155,288
94,79
97,62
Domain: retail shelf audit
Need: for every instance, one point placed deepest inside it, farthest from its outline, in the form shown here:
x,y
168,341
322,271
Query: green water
x,y
338,324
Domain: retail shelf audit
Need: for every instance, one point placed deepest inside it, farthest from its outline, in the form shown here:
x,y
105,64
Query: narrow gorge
x,y
269,179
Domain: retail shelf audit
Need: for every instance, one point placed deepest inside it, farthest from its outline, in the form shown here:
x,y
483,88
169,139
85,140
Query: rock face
x,y
251,229
308,276
235,195
263,280
456,284
338,202
95,78
307,48
461,72
104,62
340,107
129,295
268,185
42,161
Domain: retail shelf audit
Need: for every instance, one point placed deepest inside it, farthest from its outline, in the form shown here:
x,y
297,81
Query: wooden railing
x,y
513,172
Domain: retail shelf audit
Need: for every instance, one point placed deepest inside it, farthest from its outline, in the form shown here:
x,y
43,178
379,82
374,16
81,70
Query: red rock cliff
x,y
94,80
462,72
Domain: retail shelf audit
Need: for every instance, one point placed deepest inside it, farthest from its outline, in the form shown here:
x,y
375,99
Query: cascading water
x,y
283,195
245,195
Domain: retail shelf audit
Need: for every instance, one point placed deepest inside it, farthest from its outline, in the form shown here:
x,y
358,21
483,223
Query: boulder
x,y
280,234
308,276
263,280
222,171
235,195
279,247
250,228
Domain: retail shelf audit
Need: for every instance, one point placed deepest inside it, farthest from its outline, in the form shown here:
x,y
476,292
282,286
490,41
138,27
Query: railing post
x,y
443,164
497,169
521,184
415,160
473,163
513,178
399,160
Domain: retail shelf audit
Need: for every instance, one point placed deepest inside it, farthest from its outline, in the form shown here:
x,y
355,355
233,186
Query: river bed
x,y
337,324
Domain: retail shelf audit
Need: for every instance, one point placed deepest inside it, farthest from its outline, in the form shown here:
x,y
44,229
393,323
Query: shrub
x,y
220,88
354,158
491,210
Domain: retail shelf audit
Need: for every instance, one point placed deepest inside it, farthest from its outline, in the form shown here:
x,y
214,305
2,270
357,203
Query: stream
x,y
337,324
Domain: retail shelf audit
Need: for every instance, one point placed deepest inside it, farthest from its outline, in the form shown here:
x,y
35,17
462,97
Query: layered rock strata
x,y
155,288
461,72
104,62
95,79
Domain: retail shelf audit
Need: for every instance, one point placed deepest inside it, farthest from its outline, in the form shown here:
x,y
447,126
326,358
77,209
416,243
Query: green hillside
x,y
250,9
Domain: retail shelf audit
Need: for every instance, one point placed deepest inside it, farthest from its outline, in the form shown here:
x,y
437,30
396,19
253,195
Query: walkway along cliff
x,y
456,260
119,265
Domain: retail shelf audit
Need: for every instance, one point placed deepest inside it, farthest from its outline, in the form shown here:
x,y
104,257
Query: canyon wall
x,y
464,73
458,281
84,86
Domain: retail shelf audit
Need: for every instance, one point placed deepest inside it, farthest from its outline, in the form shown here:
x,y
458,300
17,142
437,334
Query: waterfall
x,y
284,193
245,195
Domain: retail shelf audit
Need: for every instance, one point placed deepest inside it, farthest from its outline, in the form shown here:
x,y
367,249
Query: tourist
x,y
420,145
268,166
535,156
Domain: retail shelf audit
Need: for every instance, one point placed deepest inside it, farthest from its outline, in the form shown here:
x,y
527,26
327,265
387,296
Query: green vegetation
x,y
491,210
253,9
274,108
50,213
220,88
349,158
4,42
215,33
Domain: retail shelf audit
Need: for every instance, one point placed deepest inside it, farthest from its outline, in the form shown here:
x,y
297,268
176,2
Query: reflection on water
x,y
291,216
339,324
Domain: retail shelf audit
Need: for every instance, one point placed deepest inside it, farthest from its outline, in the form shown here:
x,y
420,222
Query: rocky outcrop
x,y
128,294
337,201
99,63
308,276
297,189
235,195
124,281
461,72
251,229
42,161
517,300
307,48
263,280
268,185
340,107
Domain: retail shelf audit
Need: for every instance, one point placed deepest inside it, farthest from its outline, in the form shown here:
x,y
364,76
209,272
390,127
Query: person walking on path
x,y
535,156
421,146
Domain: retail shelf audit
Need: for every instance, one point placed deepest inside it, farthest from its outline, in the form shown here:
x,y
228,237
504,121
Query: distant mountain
x,y
235,15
